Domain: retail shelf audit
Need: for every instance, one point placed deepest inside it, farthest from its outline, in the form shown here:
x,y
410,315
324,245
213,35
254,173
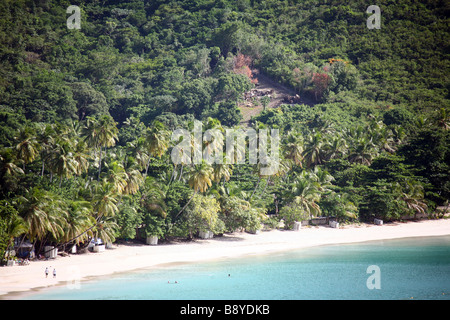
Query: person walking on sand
x,y
46,272
54,273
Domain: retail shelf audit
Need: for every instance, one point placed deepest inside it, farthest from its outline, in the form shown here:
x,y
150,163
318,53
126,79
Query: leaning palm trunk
x,y
257,184
76,237
100,164
181,173
147,166
195,192
268,180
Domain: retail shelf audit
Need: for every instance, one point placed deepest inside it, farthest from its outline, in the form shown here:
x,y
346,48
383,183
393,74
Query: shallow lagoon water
x,y
412,268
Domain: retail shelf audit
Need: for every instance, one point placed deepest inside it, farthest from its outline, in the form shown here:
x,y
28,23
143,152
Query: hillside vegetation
x,y
87,114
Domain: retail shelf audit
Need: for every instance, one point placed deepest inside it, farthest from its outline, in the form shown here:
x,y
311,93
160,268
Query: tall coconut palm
x,y
90,132
57,215
313,153
222,171
156,141
79,221
62,161
46,137
27,146
138,151
306,194
134,180
116,177
99,133
293,148
104,201
200,179
81,157
14,225
153,198
107,136
108,131
412,194
43,212
283,168
106,229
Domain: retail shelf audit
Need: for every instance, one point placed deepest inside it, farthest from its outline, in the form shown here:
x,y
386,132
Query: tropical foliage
x,y
87,115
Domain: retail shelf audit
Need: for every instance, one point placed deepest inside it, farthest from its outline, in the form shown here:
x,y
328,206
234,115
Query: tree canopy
x,y
87,115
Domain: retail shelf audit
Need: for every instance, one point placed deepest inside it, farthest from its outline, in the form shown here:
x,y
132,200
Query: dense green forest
x,y
87,115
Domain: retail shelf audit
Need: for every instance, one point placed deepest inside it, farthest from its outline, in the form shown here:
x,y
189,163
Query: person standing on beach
x,y
54,273
46,272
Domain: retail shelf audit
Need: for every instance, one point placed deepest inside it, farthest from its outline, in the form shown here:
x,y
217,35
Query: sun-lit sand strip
x,y
127,258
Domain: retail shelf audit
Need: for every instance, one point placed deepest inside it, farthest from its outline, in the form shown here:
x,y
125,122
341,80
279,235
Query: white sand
x,y
127,258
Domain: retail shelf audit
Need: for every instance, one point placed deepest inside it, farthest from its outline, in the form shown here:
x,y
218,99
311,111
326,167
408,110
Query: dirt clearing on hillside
x,y
269,93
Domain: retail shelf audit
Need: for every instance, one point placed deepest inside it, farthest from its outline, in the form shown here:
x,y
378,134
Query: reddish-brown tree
x,y
321,82
241,65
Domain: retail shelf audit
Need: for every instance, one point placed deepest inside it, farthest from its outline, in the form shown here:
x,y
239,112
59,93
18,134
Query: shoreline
x,y
20,280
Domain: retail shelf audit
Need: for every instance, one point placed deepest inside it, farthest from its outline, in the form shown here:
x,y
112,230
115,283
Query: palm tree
x,y
14,225
382,136
95,218
362,152
108,131
28,146
107,136
306,194
335,147
322,177
137,149
200,179
222,170
153,198
43,212
412,194
106,229
283,168
116,177
134,180
99,133
313,153
81,157
78,221
293,148
45,137
104,201
156,141
90,132
62,162
9,168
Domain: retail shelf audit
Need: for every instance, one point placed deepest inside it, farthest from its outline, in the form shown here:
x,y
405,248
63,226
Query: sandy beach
x,y
124,258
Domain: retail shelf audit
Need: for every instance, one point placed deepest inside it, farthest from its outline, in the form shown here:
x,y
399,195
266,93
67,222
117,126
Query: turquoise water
x,y
413,268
